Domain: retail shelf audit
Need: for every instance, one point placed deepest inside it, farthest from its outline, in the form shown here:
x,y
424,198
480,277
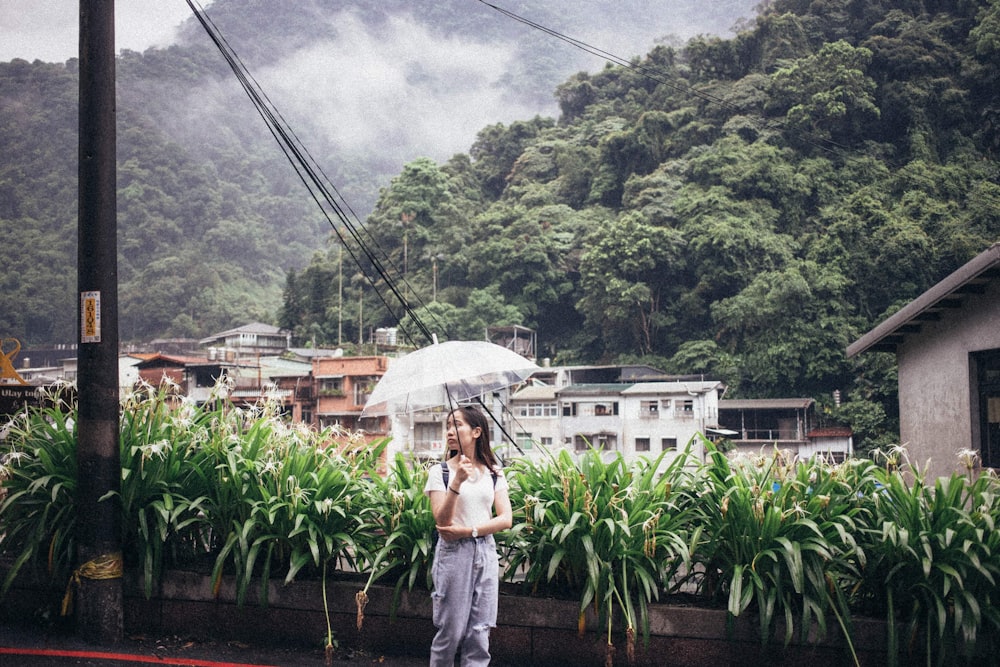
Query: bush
x,y
798,542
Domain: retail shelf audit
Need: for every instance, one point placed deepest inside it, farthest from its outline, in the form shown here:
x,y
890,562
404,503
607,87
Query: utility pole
x,y
340,292
98,575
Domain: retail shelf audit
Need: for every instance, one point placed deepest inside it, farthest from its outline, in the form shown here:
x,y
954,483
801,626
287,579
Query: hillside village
x,y
945,341
636,410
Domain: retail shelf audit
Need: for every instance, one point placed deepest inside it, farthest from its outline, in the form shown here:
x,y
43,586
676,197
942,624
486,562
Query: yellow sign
x,y
7,371
90,320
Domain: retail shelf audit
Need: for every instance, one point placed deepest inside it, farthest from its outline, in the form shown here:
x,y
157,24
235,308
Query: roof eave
x,y
945,295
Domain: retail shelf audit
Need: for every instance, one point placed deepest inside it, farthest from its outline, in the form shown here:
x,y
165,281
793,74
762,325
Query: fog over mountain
x,y
370,85
376,86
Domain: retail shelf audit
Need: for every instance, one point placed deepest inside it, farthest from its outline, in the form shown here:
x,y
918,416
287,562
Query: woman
x,y
468,510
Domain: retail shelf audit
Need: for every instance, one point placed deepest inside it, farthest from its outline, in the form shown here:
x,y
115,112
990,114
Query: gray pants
x,y
466,576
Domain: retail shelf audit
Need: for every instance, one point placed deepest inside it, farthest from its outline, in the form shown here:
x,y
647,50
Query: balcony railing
x,y
769,435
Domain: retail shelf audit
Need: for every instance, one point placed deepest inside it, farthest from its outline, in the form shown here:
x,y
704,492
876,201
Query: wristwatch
x,y
475,532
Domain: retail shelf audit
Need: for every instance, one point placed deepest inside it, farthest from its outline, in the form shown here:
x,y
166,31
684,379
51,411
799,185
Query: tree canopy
x,y
744,207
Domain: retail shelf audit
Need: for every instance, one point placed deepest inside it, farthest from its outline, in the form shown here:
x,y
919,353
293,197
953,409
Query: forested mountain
x,y
211,216
741,206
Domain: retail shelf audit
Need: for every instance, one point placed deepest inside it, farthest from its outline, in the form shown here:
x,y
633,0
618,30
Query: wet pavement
x,y
33,646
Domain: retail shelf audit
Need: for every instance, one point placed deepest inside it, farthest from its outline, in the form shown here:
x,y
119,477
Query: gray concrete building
x,y
947,346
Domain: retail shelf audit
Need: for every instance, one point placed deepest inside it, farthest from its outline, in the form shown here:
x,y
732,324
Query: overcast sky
x,y
48,30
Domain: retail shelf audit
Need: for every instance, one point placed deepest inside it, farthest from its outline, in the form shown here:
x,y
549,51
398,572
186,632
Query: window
x,y
524,440
649,409
987,371
331,387
428,435
539,410
642,444
684,409
369,424
363,387
569,410
669,444
605,409
547,441
604,441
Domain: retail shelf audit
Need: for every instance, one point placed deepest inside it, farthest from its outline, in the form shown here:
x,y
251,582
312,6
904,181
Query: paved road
x,y
29,646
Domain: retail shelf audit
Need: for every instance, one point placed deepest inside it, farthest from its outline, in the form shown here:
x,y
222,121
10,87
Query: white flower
x,y
968,458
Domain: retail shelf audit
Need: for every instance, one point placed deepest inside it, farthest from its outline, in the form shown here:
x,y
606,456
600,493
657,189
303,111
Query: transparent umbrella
x,y
443,373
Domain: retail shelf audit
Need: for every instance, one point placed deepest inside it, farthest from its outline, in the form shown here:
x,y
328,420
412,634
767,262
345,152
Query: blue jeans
x,y
466,575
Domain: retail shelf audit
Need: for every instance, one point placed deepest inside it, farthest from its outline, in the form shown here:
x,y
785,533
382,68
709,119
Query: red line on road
x,y
123,657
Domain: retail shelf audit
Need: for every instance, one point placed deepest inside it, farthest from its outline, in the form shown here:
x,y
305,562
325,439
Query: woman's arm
x,y
443,503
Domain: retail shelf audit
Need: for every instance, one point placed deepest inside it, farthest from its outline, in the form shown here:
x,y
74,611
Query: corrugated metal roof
x,y
602,389
671,387
278,367
535,393
258,328
314,352
765,403
175,359
946,295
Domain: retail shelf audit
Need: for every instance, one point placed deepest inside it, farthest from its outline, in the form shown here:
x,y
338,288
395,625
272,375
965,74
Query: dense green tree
x,y
631,277
636,150
484,308
741,207
532,256
790,327
496,149
729,240
708,358
827,98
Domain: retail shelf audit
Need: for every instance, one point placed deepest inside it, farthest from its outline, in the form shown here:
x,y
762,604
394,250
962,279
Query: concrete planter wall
x,y
532,631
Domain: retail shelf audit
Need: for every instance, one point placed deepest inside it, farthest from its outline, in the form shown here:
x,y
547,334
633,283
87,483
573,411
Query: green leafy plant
x,y
282,499
778,538
398,515
793,542
611,533
933,563
161,495
38,473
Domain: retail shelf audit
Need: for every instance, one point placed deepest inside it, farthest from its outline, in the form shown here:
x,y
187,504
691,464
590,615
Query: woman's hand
x,y
464,468
452,532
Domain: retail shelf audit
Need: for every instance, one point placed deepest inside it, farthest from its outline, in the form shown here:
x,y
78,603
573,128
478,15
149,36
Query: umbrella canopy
x,y
444,372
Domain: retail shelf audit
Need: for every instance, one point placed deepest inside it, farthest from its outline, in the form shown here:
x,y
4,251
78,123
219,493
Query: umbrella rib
x,y
499,425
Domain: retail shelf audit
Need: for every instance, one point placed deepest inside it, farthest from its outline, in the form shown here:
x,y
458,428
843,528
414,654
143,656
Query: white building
x,y
665,416
633,418
534,415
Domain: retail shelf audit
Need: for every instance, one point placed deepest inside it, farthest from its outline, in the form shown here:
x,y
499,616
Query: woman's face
x,y
461,435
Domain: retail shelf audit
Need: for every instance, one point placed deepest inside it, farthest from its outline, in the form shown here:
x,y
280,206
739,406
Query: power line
x,y
320,188
656,75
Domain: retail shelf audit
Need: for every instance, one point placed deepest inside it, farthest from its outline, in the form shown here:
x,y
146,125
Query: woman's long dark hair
x,y
474,418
